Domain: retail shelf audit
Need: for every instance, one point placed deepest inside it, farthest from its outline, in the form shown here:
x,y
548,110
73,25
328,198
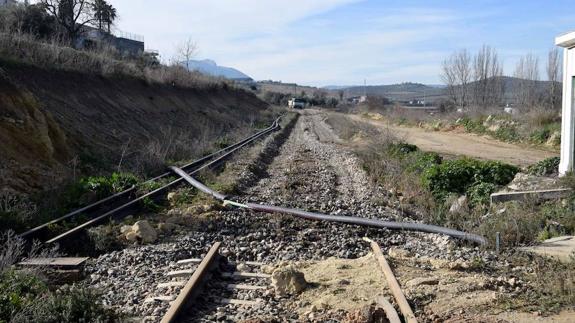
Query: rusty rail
x,y
123,200
392,282
193,287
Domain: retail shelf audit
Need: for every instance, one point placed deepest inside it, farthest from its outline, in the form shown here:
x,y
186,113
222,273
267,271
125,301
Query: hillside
x,y
56,124
397,92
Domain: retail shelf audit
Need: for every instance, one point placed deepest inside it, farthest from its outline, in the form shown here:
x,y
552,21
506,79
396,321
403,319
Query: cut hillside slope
x,y
55,123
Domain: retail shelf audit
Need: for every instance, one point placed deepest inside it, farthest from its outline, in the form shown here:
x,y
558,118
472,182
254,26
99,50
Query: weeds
x,y
546,167
24,48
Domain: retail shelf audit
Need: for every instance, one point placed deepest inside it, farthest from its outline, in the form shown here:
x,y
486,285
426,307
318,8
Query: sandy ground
x,y
561,248
455,143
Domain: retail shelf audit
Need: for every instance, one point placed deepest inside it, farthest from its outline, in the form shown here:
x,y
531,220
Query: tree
x,y
527,74
104,14
186,51
456,74
487,77
30,19
72,15
553,76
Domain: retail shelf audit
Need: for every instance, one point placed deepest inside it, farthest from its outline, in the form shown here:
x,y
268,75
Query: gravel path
x,y
311,172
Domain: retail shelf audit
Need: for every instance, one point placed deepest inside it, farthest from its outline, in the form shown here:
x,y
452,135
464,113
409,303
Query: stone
x,y
166,227
288,280
171,196
131,236
526,182
399,253
267,269
422,281
145,232
125,229
459,205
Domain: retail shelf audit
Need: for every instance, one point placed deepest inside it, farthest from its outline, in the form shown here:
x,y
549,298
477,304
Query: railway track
x,y
129,200
200,284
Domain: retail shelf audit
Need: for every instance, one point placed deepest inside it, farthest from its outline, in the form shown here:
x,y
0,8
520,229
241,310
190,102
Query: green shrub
x,y
507,133
473,126
423,161
545,167
540,136
107,185
26,298
457,176
479,194
17,291
67,304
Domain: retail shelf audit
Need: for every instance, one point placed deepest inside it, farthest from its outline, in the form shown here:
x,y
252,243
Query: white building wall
x,y
568,113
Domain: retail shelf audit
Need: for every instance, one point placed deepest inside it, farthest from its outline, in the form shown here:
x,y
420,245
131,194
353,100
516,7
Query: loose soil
x,y
56,123
457,143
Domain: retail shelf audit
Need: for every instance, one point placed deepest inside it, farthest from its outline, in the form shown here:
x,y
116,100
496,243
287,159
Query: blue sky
x,y
343,42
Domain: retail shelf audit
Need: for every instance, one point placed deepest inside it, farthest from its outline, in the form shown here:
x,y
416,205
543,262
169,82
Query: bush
x,y
106,185
423,161
67,304
507,133
457,176
479,194
471,125
18,290
549,166
26,298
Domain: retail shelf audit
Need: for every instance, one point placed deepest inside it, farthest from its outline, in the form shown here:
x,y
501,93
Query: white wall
x,y
568,113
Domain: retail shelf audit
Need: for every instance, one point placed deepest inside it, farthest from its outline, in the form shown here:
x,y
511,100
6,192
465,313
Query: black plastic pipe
x,y
392,225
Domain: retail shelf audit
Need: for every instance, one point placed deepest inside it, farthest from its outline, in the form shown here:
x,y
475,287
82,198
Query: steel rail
x,y
157,191
193,286
132,189
392,225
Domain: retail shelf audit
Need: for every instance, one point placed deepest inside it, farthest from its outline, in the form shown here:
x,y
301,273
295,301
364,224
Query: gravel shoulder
x,y
456,143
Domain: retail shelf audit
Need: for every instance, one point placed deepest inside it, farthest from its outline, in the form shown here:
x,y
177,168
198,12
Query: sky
x,y
344,42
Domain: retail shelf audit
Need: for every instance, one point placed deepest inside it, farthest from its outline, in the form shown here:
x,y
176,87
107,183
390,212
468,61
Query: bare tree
x,y
487,73
185,51
553,76
456,74
527,73
72,15
449,79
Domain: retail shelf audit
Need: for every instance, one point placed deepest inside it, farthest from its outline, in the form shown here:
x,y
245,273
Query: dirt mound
x,y
56,122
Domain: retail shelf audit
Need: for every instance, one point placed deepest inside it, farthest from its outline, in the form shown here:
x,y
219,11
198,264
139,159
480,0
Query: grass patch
x,y
546,167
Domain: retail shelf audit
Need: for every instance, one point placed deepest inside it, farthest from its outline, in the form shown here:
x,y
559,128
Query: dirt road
x,y
455,143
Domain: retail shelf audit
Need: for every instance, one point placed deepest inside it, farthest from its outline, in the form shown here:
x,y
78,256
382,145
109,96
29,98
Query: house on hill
x,y
125,43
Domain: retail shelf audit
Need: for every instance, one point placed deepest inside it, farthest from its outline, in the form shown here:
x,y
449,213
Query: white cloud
x,y
315,42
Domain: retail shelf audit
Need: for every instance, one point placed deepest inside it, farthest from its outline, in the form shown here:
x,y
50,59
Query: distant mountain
x,y
336,87
398,92
417,91
209,67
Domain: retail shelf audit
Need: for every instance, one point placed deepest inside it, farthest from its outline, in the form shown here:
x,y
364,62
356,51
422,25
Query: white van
x,y
296,103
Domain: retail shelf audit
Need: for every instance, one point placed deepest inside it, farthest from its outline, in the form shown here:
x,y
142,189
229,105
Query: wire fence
x,y
126,35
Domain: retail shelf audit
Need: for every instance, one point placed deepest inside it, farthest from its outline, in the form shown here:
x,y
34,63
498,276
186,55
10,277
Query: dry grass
x,y
104,61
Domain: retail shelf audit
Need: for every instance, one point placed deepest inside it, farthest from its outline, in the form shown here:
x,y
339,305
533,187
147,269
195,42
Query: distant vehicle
x,y
296,103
